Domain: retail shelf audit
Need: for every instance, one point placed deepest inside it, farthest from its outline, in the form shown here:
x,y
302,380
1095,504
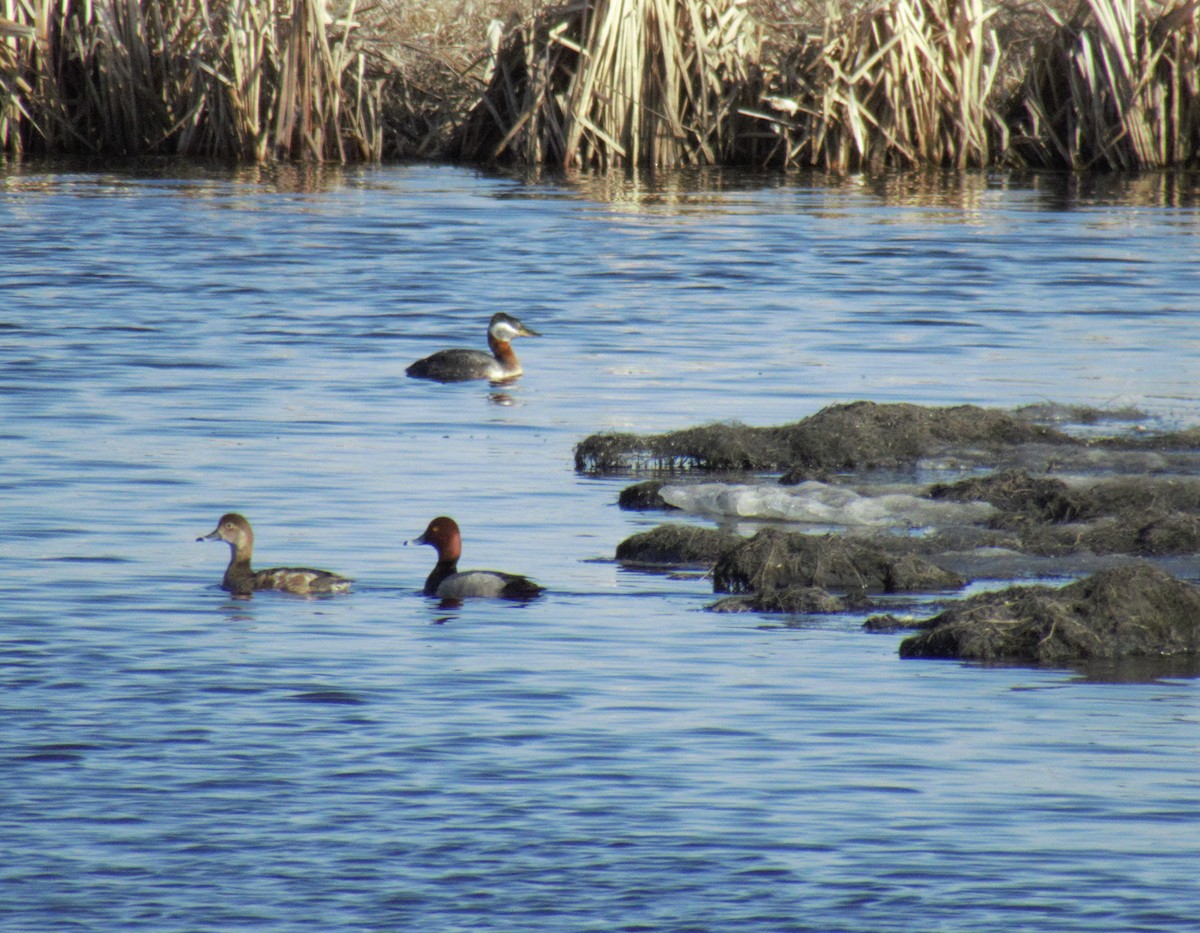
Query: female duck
x,y
445,580
461,365
240,580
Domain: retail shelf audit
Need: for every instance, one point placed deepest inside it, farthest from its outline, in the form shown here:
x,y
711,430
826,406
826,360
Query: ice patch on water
x,y
823,504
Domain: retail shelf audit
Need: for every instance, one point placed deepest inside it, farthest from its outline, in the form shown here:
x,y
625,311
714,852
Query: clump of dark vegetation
x,y
1131,611
720,447
856,436
675,546
775,571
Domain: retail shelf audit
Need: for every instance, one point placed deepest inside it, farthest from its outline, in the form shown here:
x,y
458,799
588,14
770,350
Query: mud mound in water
x,y
644,497
866,435
1188,439
773,561
857,436
1132,611
1145,494
675,546
1143,516
796,600
785,572
1055,412
1015,491
733,447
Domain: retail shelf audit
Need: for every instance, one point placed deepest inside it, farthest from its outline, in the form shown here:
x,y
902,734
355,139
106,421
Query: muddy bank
x,y
1136,611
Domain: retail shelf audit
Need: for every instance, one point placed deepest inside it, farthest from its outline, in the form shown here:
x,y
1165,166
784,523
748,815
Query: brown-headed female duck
x,y
240,580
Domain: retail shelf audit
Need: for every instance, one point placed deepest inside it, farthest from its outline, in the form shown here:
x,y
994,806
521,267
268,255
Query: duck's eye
x,y
229,526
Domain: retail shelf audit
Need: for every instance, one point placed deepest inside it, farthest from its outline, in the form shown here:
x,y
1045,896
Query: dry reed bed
x,y
609,83
907,83
1115,86
245,79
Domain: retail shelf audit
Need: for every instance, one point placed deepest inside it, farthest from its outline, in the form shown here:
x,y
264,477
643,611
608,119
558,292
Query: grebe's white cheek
x,y
505,331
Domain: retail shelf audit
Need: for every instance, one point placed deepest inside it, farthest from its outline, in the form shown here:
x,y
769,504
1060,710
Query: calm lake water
x,y
178,342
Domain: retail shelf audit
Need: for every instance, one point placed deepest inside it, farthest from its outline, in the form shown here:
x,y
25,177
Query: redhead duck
x,y
460,365
240,580
446,581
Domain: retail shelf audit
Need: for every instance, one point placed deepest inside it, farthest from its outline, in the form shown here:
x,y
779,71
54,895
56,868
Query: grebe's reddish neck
x,y
502,350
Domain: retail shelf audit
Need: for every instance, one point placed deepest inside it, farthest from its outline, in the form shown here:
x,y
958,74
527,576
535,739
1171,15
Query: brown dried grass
x,y
617,83
901,84
243,79
1116,85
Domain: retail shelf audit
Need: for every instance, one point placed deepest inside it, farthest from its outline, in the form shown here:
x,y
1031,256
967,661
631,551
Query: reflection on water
x,y
964,191
1140,670
177,341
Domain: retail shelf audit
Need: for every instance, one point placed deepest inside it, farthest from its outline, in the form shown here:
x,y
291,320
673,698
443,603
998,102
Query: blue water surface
x,y
179,341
